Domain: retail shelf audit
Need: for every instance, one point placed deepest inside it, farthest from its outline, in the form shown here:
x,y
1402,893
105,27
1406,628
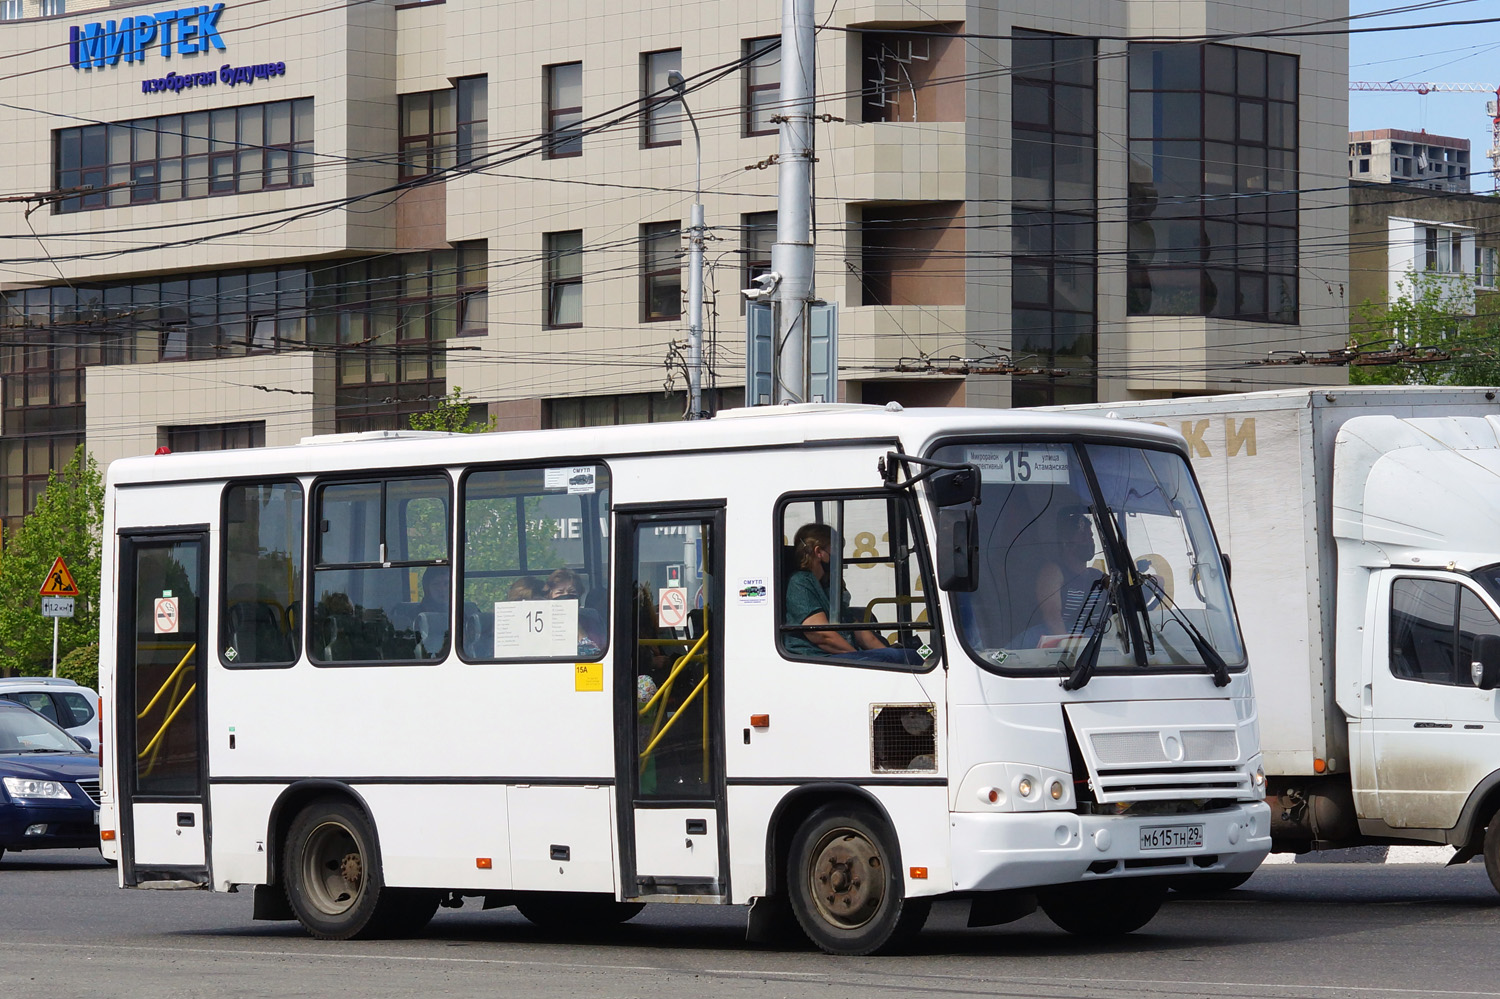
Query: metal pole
x,y
792,253
677,82
55,622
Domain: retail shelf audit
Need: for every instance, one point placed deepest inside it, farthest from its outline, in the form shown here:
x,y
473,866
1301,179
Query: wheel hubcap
x,y
332,869
847,878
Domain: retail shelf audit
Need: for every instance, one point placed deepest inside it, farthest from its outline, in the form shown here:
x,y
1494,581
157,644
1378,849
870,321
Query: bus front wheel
x,y
845,886
1492,850
333,883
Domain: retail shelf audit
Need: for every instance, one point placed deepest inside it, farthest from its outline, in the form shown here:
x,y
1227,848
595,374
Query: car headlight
x,y
26,787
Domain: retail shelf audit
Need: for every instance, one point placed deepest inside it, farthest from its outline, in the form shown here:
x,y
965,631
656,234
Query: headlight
x,y
25,787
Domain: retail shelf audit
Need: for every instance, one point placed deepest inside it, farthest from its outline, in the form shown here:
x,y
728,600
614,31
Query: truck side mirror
x,y
1485,669
957,549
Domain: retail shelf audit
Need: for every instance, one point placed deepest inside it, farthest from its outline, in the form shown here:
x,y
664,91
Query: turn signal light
x,y
483,863
107,835
1319,766
919,873
760,721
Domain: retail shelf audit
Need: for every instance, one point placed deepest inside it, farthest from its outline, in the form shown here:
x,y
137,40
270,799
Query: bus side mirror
x,y
957,551
1225,559
953,486
1485,669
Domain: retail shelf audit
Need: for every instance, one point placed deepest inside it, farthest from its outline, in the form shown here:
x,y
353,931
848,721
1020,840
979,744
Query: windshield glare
x,y
23,731
1050,576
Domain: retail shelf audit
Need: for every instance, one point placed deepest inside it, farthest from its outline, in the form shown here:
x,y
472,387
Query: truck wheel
x,y
1102,910
332,881
1492,850
574,912
843,885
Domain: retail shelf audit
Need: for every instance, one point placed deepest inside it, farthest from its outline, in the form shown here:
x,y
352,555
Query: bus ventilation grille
x,y
903,739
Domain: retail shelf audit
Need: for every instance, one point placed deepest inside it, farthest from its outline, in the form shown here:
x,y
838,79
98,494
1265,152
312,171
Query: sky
x,y
1459,54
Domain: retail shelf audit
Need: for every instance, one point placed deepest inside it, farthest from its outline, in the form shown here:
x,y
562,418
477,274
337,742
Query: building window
x,y
564,264
912,76
54,8
257,147
1486,264
1213,183
1053,219
762,85
644,407
214,436
564,110
661,271
912,254
440,128
1442,250
10,10
759,233
662,123
27,461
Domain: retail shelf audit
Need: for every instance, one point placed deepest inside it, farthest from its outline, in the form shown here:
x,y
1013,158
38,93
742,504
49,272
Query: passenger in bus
x,y
808,601
431,619
526,588
563,584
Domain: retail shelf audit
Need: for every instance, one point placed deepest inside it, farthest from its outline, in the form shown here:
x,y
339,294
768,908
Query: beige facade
x,y
915,210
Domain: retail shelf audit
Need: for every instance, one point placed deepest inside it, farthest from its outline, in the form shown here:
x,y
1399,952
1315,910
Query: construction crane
x,y
1492,108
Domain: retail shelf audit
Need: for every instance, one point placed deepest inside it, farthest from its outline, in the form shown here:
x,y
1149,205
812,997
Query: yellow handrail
x,y
163,730
677,667
673,720
170,677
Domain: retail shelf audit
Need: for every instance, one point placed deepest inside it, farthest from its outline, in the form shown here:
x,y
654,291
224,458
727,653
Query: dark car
x,y
49,785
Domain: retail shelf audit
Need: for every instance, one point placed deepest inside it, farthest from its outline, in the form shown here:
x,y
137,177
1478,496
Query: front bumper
x,y
1009,850
66,826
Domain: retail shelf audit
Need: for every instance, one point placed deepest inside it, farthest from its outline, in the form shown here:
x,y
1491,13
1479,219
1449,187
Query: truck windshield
x,y
1087,544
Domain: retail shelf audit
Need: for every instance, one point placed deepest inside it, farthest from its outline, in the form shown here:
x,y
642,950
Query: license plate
x,y
1171,837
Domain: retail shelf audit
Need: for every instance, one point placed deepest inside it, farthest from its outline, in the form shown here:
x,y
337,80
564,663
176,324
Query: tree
x,y
451,414
1431,311
66,522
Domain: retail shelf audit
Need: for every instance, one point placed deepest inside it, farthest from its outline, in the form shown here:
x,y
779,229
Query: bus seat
x,y
432,634
255,632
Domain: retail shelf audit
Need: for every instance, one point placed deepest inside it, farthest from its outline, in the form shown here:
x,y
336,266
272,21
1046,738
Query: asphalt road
x,y
1318,931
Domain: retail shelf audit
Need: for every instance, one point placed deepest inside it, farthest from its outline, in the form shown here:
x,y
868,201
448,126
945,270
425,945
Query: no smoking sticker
x,y
671,607
166,615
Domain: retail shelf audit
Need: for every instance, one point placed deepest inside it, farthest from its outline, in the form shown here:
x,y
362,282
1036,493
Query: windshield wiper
x,y
1088,657
1211,657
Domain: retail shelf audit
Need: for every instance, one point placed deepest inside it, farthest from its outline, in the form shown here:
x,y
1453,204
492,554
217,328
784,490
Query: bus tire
x,y
1103,910
333,882
1492,850
569,911
845,885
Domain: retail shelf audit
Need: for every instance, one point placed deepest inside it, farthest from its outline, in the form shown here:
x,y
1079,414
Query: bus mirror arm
x,y
952,483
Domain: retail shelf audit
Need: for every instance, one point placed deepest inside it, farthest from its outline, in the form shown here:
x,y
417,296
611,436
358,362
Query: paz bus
x,y
833,661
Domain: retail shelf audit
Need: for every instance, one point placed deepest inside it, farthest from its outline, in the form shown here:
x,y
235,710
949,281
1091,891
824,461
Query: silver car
x,y
63,702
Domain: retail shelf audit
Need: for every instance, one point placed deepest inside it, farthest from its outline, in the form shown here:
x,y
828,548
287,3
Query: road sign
x,y
57,607
59,581
671,607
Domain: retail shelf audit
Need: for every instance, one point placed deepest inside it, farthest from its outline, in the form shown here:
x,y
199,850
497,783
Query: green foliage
x,y
81,666
452,416
66,522
1430,313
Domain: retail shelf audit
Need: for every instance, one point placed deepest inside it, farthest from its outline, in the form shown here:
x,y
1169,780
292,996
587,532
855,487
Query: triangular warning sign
x,y
59,581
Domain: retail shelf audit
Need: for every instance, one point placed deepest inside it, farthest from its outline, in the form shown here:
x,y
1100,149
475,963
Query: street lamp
x,y
678,83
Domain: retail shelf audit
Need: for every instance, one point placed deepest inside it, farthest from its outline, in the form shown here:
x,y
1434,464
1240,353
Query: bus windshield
x,y
1093,554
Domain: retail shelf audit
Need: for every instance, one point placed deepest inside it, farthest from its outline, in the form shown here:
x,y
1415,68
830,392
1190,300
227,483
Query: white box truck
x,y
1363,531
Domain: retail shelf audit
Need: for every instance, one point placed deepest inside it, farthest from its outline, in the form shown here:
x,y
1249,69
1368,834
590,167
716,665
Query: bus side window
x,y
862,548
382,589
262,560
535,542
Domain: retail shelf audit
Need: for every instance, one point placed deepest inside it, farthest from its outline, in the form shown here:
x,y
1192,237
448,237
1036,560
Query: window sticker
x,y
753,591
1021,465
536,629
578,479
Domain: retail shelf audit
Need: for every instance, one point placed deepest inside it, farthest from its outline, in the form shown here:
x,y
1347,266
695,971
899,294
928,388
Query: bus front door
x,y
669,701
161,698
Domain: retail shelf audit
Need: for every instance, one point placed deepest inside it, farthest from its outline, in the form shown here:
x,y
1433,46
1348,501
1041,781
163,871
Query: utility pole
x,y
696,236
792,253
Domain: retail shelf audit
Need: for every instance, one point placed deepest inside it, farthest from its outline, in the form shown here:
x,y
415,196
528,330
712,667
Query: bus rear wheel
x,y
1103,910
845,885
333,883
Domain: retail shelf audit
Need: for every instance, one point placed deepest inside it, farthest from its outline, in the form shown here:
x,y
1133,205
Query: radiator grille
x,y
91,788
1210,747
1125,749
